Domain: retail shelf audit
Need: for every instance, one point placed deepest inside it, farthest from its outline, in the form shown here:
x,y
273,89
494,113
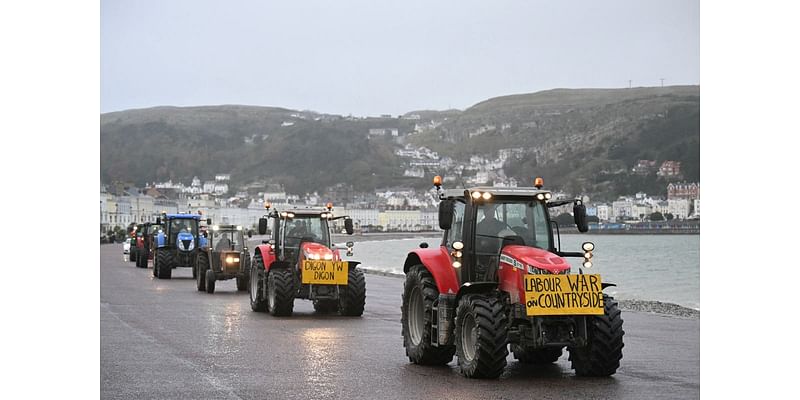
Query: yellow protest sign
x,y
563,295
322,272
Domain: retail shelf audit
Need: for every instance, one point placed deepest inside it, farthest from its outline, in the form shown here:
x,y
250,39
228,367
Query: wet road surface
x,y
162,339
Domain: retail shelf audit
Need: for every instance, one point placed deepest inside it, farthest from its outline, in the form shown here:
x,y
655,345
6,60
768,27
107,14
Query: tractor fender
x,y
604,285
161,239
475,287
267,255
437,262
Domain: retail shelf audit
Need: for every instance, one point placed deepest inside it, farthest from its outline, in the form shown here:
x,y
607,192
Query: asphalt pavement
x,y
162,339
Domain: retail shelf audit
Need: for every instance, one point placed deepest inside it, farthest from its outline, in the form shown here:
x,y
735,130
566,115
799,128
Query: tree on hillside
x,y
565,219
656,216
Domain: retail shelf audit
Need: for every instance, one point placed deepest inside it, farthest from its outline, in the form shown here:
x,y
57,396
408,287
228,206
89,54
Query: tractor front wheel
x,y
201,267
280,291
353,296
211,281
601,355
163,262
481,336
258,301
419,293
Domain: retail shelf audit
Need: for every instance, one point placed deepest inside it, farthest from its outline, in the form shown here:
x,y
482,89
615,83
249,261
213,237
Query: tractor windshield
x,y
517,222
228,240
310,228
179,225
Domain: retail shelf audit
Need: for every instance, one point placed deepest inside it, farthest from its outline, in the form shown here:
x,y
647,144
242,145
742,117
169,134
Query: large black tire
x,y
257,287
280,292
326,306
141,260
600,357
419,293
132,254
201,267
353,296
481,336
547,355
211,281
242,283
243,280
164,263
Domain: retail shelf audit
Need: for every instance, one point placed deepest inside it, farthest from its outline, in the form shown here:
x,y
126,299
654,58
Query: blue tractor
x,y
177,243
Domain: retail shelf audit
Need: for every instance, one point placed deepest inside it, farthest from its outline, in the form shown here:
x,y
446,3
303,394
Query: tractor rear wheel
x,y
326,306
280,291
542,356
164,261
211,281
201,267
481,336
600,357
258,301
419,293
353,296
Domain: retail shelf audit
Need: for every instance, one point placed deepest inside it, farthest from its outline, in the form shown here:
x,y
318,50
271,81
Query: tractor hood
x,y
529,259
185,241
316,251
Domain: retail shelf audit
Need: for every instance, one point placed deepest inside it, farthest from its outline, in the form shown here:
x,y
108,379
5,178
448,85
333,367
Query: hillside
x,y
581,140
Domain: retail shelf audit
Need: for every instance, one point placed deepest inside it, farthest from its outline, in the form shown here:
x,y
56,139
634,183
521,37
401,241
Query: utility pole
x,y
629,83
662,82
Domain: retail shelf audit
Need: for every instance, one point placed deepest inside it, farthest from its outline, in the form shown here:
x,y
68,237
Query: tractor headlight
x,y
547,196
231,259
329,256
458,245
587,246
476,195
456,264
587,264
540,196
486,195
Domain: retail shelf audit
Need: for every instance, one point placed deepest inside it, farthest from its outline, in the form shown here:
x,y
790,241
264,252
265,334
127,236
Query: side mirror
x,y
446,210
262,226
348,225
423,245
249,234
579,211
208,221
158,220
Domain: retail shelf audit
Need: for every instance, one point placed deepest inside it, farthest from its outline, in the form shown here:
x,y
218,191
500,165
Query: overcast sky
x,y
386,57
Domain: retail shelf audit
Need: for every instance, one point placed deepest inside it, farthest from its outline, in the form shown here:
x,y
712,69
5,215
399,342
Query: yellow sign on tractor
x,y
563,294
324,272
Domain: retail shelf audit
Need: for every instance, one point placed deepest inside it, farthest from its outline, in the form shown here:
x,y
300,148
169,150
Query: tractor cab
x,y
300,228
482,224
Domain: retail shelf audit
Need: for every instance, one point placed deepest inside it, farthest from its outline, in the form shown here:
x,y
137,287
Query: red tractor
x,y
301,262
499,279
144,243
